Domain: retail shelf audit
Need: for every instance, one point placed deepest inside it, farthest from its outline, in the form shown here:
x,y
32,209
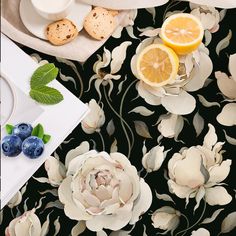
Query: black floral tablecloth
x,y
187,159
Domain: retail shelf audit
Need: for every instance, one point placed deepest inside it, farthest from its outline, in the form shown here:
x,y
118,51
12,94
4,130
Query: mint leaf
x,y
9,128
43,75
46,95
46,138
38,131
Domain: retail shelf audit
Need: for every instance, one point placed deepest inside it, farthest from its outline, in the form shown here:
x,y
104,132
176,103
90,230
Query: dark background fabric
x,y
155,179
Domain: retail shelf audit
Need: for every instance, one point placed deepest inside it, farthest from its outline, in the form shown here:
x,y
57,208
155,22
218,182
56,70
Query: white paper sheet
x,y
58,120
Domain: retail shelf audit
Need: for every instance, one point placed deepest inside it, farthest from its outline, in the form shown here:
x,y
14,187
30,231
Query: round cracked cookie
x,y
61,32
99,23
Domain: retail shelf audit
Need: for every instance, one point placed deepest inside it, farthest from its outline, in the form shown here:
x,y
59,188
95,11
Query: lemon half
x,y
157,65
182,32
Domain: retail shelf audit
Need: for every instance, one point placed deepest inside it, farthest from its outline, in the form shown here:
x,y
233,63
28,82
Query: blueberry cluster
x,y
20,140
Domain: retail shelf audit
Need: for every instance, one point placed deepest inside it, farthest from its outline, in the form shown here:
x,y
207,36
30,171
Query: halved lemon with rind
x,y
157,65
182,32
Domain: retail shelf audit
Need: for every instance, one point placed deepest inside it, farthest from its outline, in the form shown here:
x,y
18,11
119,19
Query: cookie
x,y
113,12
99,23
61,32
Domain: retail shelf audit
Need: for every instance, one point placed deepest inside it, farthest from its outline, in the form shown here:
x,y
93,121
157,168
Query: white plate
x,y
36,24
8,92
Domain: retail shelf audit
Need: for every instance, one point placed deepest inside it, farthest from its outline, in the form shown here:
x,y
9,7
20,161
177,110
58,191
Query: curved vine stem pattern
x,y
94,144
219,233
73,66
188,228
172,4
121,110
187,221
121,118
80,80
102,140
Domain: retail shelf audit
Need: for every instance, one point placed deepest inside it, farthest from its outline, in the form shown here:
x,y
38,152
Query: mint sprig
x,y
9,128
39,91
46,95
43,75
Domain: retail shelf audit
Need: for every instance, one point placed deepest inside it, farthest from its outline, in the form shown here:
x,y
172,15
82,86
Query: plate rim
x,y
13,91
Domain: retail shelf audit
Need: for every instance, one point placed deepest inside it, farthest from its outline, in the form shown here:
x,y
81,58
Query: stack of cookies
x,y
99,24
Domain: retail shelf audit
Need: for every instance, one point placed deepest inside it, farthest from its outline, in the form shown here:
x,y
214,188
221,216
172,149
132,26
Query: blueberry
x,y
11,145
23,130
33,147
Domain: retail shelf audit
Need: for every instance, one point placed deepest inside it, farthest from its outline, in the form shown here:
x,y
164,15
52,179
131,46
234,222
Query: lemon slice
x,y
157,65
182,32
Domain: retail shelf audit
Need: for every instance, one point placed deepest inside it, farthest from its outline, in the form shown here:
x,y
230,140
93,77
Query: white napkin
x,y
79,49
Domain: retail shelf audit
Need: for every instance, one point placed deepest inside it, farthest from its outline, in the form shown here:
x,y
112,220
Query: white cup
x,y
53,9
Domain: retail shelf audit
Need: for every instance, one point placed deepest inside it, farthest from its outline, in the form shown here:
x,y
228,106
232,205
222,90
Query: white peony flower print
x,y
197,172
166,218
55,170
227,85
232,68
15,200
227,116
94,119
209,16
153,159
114,60
130,17
194,69
100,75
81,149
127,23
200,232
170,125
104,190
25,225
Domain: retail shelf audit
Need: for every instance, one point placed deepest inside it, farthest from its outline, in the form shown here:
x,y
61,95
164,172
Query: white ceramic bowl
x,y
53,10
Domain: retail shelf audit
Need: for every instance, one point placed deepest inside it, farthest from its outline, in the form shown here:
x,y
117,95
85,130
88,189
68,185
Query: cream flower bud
x,y
55,170
27,224
166,218
94,119
153,160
